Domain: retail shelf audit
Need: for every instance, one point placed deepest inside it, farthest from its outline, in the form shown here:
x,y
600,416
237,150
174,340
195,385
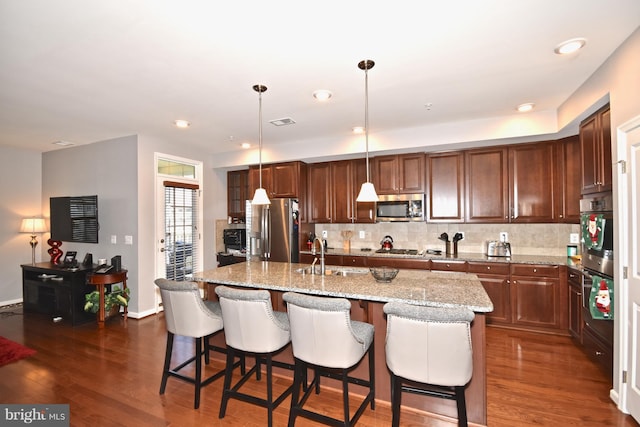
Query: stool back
x,y
185,312
428,344
250,322
322,333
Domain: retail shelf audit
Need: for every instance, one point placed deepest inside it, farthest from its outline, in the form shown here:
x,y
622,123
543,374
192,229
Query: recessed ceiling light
x,y
570,46
63,143
358,129
245,145
322,94
523,108
182,123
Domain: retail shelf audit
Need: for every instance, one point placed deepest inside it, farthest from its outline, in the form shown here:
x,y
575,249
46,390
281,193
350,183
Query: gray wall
x,y
20,189
108,169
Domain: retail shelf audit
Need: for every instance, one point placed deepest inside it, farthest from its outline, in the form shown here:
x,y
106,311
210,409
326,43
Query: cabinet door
x,y
254,180
445,187
605,168
495,281
237,193
535,301
385,174
411,173
285,179
575,306
595,146
319,192
531,169
568,179
342,192
487,187
364,212
588,150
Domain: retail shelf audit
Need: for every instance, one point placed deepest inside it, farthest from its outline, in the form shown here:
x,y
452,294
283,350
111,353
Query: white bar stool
x,y
430,346
324,338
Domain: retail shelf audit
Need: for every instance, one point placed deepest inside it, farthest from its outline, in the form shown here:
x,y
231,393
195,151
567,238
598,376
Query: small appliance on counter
x,y
235,239
387,243
496,248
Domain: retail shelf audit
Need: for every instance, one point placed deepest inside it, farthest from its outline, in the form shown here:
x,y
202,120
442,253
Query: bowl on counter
x,y
384,274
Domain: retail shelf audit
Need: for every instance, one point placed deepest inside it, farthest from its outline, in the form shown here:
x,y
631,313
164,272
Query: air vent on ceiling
x,y
282,122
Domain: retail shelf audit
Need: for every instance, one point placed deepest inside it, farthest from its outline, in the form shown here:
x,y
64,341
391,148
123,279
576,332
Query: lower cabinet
x,y
575,305
495,280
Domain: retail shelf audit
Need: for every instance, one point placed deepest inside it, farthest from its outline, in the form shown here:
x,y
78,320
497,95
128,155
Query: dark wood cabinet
x,y
575,305
237,194
332,191
279,180
531,189
487,185
495,280
319,191
399,174
448,265
595,147
568,179
445,187
536,297
56,291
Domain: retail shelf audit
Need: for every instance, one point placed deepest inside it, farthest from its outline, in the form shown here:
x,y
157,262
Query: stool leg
x,y
372,376
298,374
345,396
396,397
167,362
198,377
269,391
462,406
226,389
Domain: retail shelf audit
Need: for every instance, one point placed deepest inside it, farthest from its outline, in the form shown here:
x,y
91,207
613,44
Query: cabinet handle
x,y
488,268
579,294
599,353
535,270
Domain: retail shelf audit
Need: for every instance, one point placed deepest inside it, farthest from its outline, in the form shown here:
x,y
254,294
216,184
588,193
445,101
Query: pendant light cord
x,y
260,133
366,115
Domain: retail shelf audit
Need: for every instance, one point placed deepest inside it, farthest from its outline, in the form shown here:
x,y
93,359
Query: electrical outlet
x,y
574,238
128,240
504,236
361,234
324,234
114,239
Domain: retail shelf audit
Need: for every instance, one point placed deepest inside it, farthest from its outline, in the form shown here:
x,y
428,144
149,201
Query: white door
x,y
178,218
629,232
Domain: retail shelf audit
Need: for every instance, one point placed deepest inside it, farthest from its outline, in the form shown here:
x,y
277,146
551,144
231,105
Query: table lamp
x,y
33,226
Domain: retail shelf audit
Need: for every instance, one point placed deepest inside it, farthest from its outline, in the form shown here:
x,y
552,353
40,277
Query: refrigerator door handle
x,y
266,233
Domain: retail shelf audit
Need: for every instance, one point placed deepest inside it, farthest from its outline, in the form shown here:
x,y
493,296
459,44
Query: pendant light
x,y
260,197
367,191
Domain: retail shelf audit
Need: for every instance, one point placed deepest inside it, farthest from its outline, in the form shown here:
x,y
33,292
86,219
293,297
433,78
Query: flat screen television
x,y
74,219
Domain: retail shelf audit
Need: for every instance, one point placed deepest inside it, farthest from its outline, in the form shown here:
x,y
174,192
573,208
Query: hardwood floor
x,y
111,377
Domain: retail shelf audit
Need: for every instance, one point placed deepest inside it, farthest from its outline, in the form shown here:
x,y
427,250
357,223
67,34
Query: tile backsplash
x,y
525,239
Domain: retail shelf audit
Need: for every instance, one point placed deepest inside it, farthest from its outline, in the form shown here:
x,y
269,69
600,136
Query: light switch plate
x,y
324,234
128,240
574,238
361,234
114,239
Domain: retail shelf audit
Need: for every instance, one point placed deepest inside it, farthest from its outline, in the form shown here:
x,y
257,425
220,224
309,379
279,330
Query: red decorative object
x,y
55,250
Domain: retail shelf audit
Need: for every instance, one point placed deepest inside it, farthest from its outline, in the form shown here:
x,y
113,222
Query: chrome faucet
x,y
313,252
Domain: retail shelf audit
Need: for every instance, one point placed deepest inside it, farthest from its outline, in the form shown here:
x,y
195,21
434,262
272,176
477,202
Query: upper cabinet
x,y
333,188
487,185
595,146
237,194
531,176
279,180
569,179
398,174
445,187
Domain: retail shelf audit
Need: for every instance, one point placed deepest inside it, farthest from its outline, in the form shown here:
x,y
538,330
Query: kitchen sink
x,y
334,271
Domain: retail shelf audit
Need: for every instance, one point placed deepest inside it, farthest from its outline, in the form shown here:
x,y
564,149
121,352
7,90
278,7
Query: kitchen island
x,y
437,289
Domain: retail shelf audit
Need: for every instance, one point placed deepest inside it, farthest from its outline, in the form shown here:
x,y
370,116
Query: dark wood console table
x,y
102,280
56,290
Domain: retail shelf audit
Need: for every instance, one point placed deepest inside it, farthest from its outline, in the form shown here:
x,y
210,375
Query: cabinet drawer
x,y
413,264
357,261
535,270
598,351
460,266
489,268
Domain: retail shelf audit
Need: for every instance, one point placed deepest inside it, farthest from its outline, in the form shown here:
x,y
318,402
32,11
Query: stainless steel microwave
x,y
400,207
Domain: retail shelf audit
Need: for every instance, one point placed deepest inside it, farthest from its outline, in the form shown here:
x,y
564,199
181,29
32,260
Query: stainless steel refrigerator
x,y
272,231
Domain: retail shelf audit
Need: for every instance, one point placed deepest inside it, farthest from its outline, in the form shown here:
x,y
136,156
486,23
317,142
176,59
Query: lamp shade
x,y
33,225
260,197
367,193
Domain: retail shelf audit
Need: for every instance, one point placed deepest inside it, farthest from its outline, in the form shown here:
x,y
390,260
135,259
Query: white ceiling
x,y
89,70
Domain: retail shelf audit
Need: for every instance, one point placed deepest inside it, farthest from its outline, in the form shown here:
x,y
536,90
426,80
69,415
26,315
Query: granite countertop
x,y
462,256
432,288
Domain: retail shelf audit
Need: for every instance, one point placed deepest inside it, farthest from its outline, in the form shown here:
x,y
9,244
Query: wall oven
x,y
598,286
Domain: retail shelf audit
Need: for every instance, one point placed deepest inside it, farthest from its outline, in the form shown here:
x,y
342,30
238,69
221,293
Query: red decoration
x,y
55,250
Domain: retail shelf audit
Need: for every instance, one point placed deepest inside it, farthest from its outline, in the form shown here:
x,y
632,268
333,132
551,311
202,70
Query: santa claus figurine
x,y
594,230
603,300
